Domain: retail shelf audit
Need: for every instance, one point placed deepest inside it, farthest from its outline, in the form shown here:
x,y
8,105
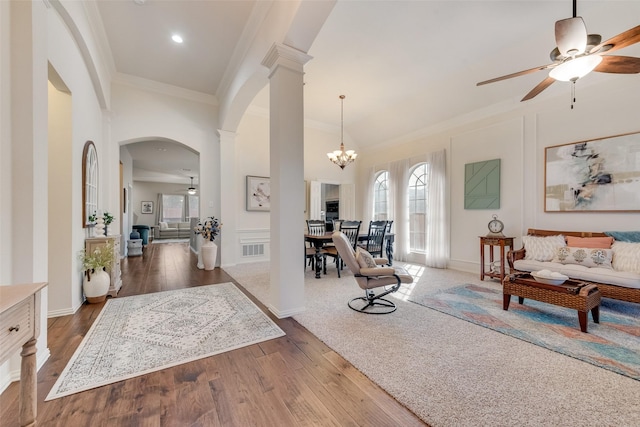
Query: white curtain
x,y
398,207
437,226
185,209
367,214
159,209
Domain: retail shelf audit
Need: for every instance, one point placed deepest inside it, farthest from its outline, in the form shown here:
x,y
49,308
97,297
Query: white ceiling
x,y
403,65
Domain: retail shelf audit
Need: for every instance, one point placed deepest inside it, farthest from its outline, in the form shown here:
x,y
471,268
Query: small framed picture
x,y
147,207
258,193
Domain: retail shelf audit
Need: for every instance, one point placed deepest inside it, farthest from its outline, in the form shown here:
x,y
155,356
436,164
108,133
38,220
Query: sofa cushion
x,y
590,242
542,248
624,236
589,257
163,225
626,256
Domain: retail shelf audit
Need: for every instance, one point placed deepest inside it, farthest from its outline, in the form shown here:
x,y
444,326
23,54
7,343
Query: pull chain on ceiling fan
x,y
578,53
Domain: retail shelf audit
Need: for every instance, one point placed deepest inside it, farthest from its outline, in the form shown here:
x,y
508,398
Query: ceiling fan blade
x,y
619,64
536,90
571,36
624,39
519,73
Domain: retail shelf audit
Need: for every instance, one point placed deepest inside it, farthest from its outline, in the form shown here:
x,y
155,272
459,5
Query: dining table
x,y
321,239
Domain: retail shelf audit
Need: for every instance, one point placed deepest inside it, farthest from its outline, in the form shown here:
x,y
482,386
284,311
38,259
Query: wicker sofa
x,y
173,230
621,285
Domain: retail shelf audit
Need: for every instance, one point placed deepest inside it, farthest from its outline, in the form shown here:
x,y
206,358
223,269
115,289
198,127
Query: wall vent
x,y
253,250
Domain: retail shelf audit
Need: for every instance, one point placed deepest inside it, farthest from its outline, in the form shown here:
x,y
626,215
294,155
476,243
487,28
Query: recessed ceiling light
x,y
139,2
176,38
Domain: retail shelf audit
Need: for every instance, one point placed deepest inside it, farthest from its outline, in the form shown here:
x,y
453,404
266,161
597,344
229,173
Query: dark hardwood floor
x,y
295,380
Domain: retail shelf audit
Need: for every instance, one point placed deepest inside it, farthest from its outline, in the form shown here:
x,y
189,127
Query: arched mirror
x,y
89,181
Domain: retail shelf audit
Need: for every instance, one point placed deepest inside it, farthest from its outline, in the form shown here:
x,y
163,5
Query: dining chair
x,y
389,224
350,229
375,238
315,227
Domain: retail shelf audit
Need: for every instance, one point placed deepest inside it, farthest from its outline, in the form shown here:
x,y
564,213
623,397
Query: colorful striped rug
x,y
613,344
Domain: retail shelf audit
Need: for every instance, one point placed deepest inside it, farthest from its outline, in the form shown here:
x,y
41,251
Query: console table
x,y
19,327
491,242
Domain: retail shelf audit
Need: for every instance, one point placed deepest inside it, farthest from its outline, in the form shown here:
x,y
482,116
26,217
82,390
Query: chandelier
x,y
341,157
191,190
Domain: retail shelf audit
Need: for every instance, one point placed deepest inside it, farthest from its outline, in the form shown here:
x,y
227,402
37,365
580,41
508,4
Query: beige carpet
x,y
451,372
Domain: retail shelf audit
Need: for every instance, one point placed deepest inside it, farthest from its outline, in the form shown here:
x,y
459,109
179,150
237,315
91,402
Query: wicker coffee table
x,y
574,294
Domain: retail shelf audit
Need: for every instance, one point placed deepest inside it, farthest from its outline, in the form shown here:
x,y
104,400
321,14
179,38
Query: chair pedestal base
x,y
372,305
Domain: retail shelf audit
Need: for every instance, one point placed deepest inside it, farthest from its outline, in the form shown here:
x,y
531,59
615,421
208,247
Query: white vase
x,y
199,242
98,229
96,285
209,252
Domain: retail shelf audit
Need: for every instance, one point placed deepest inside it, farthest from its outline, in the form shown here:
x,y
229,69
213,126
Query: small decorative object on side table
x,y
494,238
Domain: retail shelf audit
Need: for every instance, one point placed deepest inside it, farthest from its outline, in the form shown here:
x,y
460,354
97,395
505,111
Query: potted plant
x,y
107,219
96,280
208,229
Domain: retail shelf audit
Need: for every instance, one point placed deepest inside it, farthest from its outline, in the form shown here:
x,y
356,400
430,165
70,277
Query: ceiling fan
x,y
191,190
578,53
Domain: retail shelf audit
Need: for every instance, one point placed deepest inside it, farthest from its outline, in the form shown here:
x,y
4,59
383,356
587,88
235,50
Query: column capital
x,y
285,56
226,135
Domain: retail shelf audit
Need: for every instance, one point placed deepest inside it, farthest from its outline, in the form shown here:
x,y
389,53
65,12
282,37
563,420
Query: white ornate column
x,y
286,121
228,199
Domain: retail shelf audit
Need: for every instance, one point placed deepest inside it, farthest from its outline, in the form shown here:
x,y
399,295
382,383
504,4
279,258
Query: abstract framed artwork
x,y
258,193
147,208
482,185
598,175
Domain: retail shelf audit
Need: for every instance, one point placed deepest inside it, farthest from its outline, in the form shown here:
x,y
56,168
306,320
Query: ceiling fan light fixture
x,y
191,190
576,68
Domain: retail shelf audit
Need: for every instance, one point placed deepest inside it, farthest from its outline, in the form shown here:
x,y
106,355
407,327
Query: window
x,y
381,197
418,208
179,208
172,208
194,207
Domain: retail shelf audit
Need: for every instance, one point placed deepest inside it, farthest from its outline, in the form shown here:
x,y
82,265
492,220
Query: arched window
x,y
381,197
417,195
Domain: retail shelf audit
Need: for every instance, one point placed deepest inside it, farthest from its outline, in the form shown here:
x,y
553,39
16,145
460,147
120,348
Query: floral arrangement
x,y
209,228
107,217
101,258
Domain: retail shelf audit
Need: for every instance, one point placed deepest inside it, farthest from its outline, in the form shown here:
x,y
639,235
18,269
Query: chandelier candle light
x,y
341,157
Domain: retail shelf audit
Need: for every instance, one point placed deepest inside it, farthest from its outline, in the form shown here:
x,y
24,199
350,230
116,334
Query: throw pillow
x,y
163,225
626,256
542,248
365,259
589,257
590,242
624,236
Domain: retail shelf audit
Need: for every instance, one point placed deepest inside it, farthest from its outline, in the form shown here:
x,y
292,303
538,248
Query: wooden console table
x,y
491,242
20,326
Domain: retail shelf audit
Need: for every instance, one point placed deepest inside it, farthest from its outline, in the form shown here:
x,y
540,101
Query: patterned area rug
x,y
136,335
613,344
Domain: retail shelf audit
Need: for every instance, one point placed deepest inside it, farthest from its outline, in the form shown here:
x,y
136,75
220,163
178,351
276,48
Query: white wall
x,y
252,158
518,136
139,115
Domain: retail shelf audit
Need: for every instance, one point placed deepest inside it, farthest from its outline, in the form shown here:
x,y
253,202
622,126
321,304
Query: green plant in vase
x,y
96,280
